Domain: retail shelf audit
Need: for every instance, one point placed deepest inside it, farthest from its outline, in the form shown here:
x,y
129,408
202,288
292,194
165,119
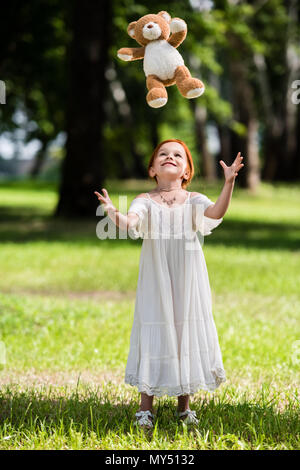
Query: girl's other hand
x,y
230,172
107,203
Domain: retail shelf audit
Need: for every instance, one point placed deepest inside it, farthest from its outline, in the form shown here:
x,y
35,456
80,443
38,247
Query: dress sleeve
x,y
140,207
204,224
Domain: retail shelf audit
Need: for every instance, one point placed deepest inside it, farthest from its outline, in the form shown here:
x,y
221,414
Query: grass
x,y
101,418
66,310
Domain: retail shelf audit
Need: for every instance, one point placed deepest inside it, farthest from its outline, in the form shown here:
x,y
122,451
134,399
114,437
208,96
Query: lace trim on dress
x,y
188,389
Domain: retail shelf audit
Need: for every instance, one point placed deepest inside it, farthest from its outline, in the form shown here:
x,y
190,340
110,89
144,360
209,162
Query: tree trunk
x,y
289,144
280,115
133,168
225,148
154,135
245,113
39,159
83,169
273,122
297,153
207,161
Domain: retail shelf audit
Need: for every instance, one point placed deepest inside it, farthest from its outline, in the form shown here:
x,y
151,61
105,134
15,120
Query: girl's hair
x,y
185,182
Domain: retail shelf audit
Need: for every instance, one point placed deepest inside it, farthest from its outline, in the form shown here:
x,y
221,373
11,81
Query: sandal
x,y
144,418
188,416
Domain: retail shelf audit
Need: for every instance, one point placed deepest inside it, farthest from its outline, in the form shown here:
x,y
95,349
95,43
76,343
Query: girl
x,y
174,347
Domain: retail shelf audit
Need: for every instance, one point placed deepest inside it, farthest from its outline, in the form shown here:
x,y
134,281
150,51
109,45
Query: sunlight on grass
x,y
65,322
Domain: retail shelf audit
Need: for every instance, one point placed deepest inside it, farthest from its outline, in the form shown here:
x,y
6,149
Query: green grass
x,y
101,418
66,311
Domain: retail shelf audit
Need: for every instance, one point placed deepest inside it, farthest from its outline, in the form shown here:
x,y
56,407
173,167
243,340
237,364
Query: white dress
x,y
174,347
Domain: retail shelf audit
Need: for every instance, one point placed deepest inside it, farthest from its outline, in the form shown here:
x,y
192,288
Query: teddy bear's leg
x,y
157,95
188,86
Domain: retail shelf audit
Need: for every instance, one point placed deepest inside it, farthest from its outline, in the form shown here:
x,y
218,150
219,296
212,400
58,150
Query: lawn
x,y
66,310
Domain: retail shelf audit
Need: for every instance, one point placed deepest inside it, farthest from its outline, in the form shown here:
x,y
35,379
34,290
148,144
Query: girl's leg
x,y
146,402
183,403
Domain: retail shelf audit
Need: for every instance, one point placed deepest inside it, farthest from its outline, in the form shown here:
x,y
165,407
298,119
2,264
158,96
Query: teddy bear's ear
x,y
165,16
130,29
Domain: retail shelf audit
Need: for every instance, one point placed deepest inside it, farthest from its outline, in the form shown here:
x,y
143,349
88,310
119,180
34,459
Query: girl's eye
x,y
164,153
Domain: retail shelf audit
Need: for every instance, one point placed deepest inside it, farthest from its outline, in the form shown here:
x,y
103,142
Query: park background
x,y
74,120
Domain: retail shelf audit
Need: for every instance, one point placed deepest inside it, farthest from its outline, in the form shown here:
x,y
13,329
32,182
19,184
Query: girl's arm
x,y
125,222
219,209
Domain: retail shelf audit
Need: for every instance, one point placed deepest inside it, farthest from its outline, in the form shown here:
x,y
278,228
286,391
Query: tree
x,y
83,168
33,38
277,67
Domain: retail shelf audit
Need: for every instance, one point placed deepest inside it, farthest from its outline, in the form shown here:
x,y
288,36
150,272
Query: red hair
x,y
185,182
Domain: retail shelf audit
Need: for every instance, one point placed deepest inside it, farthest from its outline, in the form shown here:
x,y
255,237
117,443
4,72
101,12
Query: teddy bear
x,y
163,65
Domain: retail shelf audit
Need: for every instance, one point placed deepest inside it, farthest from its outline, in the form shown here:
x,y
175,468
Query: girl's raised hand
x,y
230,172
107,203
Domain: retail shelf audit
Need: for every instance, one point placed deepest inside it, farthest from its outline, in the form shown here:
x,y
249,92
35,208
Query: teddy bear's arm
x,y
131,53
178,29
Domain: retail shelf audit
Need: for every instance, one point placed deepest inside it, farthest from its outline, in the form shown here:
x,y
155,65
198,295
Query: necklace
x,y
171,201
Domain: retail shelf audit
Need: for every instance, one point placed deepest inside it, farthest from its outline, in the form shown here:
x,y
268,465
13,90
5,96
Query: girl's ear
x,y
131,28
151,172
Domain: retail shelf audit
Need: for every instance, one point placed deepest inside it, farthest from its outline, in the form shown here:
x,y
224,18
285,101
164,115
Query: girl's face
x,y
170,163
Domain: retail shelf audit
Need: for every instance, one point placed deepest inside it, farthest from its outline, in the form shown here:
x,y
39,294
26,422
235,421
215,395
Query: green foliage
x,y
34,65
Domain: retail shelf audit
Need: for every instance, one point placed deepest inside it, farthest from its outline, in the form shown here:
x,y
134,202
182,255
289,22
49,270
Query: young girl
x,y
174,347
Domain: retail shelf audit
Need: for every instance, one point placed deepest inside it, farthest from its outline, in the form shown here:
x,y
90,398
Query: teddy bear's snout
x,y
151,30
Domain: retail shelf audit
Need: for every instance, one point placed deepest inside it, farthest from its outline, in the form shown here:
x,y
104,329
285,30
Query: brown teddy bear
x,y
163,64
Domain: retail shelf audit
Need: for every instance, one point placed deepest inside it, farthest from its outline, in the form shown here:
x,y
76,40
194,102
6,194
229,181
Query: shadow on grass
x,y
26,223
21,225
30,411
